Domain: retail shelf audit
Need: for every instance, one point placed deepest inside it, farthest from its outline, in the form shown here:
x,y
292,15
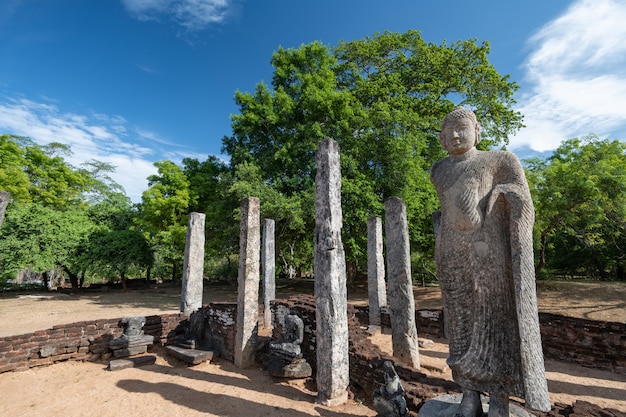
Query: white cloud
x,y
96,136
577,74
193,15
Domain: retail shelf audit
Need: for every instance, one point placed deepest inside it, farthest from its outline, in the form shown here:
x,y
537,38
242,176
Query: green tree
x,y
12,176
209,185
42,239
163,214
56,207
580,201
382,98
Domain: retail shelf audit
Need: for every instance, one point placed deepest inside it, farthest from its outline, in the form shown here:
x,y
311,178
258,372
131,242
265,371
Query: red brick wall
x,y
84,340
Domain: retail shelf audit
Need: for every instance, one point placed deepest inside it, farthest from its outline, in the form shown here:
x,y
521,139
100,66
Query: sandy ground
x,y
169,388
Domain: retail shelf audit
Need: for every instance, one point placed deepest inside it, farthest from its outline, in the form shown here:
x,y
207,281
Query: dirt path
x,y
220,389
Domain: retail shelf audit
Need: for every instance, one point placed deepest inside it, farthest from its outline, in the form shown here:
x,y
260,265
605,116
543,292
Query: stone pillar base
x,y
333,402
446,406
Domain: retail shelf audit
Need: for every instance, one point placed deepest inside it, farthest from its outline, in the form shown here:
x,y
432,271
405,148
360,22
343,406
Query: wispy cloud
x,y
94,136
193,15
577,75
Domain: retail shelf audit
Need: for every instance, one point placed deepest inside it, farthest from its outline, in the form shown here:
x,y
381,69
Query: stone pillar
x,y
268,263
376,287
193,268
330,280
401,302
248,283
4,202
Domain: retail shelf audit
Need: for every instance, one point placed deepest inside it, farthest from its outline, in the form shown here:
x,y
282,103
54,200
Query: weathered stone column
x,y
193,268
268,263
401,302
330,280
4,202
376,287
248,283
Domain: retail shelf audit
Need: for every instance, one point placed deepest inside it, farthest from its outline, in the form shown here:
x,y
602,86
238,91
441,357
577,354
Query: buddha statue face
x,y
459,136
460,131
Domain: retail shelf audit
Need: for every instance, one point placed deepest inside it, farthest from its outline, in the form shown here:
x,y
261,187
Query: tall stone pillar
x,y
401,302
268,263
330,280
248,283
376,287
193,268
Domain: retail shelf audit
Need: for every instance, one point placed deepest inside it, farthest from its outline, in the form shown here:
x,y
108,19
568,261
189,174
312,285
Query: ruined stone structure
x,y
268,264
285,354
193,268
376,288
390,399
133,341
485,267
248,283
401,301
330,279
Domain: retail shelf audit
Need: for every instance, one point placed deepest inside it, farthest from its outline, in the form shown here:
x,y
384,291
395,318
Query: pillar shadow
x,y
205,402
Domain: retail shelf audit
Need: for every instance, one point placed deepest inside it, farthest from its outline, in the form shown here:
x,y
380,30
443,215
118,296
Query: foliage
x,y
382,98
209,184
163,214
12,176
41,238
580,201
55,209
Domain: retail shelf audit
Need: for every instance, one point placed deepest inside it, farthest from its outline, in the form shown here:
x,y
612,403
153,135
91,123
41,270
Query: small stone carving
x,y
389,399
285,356
484,256
133,341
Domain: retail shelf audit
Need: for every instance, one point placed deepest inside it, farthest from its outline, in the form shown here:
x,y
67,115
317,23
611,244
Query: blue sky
x,y
132,82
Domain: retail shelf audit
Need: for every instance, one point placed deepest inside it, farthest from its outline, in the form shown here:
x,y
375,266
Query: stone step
x,y
118,364
190,356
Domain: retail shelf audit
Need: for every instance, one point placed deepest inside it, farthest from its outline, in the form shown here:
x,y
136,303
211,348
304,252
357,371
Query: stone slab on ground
x,y
190,356
117,364
135,350
446,406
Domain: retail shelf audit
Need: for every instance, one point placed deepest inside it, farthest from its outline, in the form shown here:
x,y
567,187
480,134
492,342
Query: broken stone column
x,y
401,302
376,287
330,280
268,263
4,202
193,268
248,283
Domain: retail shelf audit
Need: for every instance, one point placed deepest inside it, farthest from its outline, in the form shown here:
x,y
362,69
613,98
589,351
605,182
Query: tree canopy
x,y
580,199
382,99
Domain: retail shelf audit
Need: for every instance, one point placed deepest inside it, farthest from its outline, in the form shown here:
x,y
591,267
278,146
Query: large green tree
x,y
382,98
55,208
209,188
42,239
580,200
163,215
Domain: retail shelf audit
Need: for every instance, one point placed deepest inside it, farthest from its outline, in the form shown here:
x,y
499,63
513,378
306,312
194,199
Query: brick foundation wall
x,y
84,340
590,343
89,340
595,344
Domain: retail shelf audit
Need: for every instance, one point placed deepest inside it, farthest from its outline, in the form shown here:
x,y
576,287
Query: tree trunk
x,y
46,281
73,279
173,271
149,269
123,278
604,276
